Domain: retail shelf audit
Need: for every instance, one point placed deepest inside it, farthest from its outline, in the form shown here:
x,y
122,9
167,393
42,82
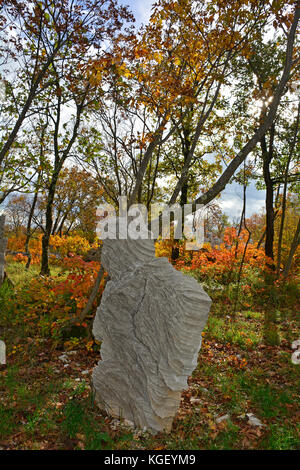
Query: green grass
x,y
270,401
7,422
78,421
17,273
282,437
240,332
227,439
5,293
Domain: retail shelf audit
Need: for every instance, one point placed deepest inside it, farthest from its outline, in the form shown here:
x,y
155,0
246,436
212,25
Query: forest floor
x,y
244,394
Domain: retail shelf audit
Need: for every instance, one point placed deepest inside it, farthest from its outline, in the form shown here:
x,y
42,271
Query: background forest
x,y
202,96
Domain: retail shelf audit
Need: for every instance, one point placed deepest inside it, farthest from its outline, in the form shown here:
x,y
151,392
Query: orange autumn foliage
x,y
17,243
60,247
218,261
54,304
69,244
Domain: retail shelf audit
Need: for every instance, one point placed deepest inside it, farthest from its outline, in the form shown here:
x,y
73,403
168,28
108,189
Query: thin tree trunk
x,y
261,240
280,235
45,271
293,248
61,226
243,222
275,215
28,230
267,158
184,192
269,221
286,173
68,229
93,294
54,228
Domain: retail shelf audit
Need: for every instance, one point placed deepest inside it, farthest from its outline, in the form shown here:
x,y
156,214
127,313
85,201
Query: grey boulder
x,y
150,322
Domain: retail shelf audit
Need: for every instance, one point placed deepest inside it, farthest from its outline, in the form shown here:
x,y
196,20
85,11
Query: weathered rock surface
x,y
3,245
150,322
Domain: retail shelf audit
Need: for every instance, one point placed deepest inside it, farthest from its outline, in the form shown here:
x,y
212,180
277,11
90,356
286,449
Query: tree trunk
x,y
28,230
93,294
3,245
61,225
267,158
286,174
269,221
184,192
55,225
45,270
261,240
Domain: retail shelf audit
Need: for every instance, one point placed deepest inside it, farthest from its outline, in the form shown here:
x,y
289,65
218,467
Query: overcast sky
x,y
140,8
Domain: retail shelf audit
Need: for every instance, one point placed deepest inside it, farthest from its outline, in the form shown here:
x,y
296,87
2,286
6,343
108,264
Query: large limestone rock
x,y
150,322
3,245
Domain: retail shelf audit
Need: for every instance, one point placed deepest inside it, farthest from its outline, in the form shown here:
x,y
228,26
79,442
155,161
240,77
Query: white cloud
x,y
140,8
231,200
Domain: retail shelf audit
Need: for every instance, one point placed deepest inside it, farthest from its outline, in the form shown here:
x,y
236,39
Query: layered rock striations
x,y
149,322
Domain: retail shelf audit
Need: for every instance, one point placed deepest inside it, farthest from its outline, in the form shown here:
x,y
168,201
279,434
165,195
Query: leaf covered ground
x,y
46,401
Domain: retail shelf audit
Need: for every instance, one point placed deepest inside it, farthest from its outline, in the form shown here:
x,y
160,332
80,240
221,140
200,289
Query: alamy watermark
x,y
296,355
2,90
2,353
136,222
